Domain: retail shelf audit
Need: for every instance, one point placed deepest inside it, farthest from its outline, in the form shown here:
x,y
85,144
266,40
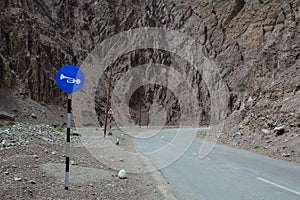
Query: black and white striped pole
x,y
110,121
69,79
110,112
67,172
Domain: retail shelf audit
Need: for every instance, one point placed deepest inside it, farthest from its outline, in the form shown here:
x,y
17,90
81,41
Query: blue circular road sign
x,y
70,79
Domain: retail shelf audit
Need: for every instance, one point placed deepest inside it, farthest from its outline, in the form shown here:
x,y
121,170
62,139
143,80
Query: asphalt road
x,y
225,173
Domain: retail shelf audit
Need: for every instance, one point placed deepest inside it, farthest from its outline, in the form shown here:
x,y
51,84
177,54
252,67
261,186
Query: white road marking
x,y
206,157
279,186
171,144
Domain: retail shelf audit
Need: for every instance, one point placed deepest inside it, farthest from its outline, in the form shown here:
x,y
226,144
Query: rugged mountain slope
x,y
255,44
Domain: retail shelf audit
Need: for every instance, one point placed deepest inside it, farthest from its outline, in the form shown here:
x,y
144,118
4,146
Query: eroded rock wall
x,y
255,44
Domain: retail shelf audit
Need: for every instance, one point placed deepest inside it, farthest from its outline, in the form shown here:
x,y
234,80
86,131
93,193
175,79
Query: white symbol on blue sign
x,y
70,79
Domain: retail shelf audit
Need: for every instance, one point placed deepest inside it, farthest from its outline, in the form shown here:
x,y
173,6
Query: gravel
x,y
32,166
17,135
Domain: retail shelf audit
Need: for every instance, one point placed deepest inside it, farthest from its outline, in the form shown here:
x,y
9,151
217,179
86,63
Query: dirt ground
x,y
32,155
36,171
254,127
32,159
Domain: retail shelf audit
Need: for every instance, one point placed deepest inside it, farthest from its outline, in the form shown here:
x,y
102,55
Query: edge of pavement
x,y
163,185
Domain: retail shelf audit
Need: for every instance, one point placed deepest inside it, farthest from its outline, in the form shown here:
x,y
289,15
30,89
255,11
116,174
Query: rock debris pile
x,y
19,135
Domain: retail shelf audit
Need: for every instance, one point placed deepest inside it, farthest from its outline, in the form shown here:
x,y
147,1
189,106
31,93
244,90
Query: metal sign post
x,y
108,99
110,121
140,119
69,109
110,112
69,79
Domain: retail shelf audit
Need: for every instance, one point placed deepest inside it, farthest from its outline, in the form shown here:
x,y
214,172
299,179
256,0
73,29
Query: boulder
x,y
279,130
265,131
122,174
7,116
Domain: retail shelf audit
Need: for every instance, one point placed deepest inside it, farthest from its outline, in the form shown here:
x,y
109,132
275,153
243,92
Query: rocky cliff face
x,y
254,43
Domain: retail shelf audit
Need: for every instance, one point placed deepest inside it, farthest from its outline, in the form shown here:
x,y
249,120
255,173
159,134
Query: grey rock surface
x,y
254,44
